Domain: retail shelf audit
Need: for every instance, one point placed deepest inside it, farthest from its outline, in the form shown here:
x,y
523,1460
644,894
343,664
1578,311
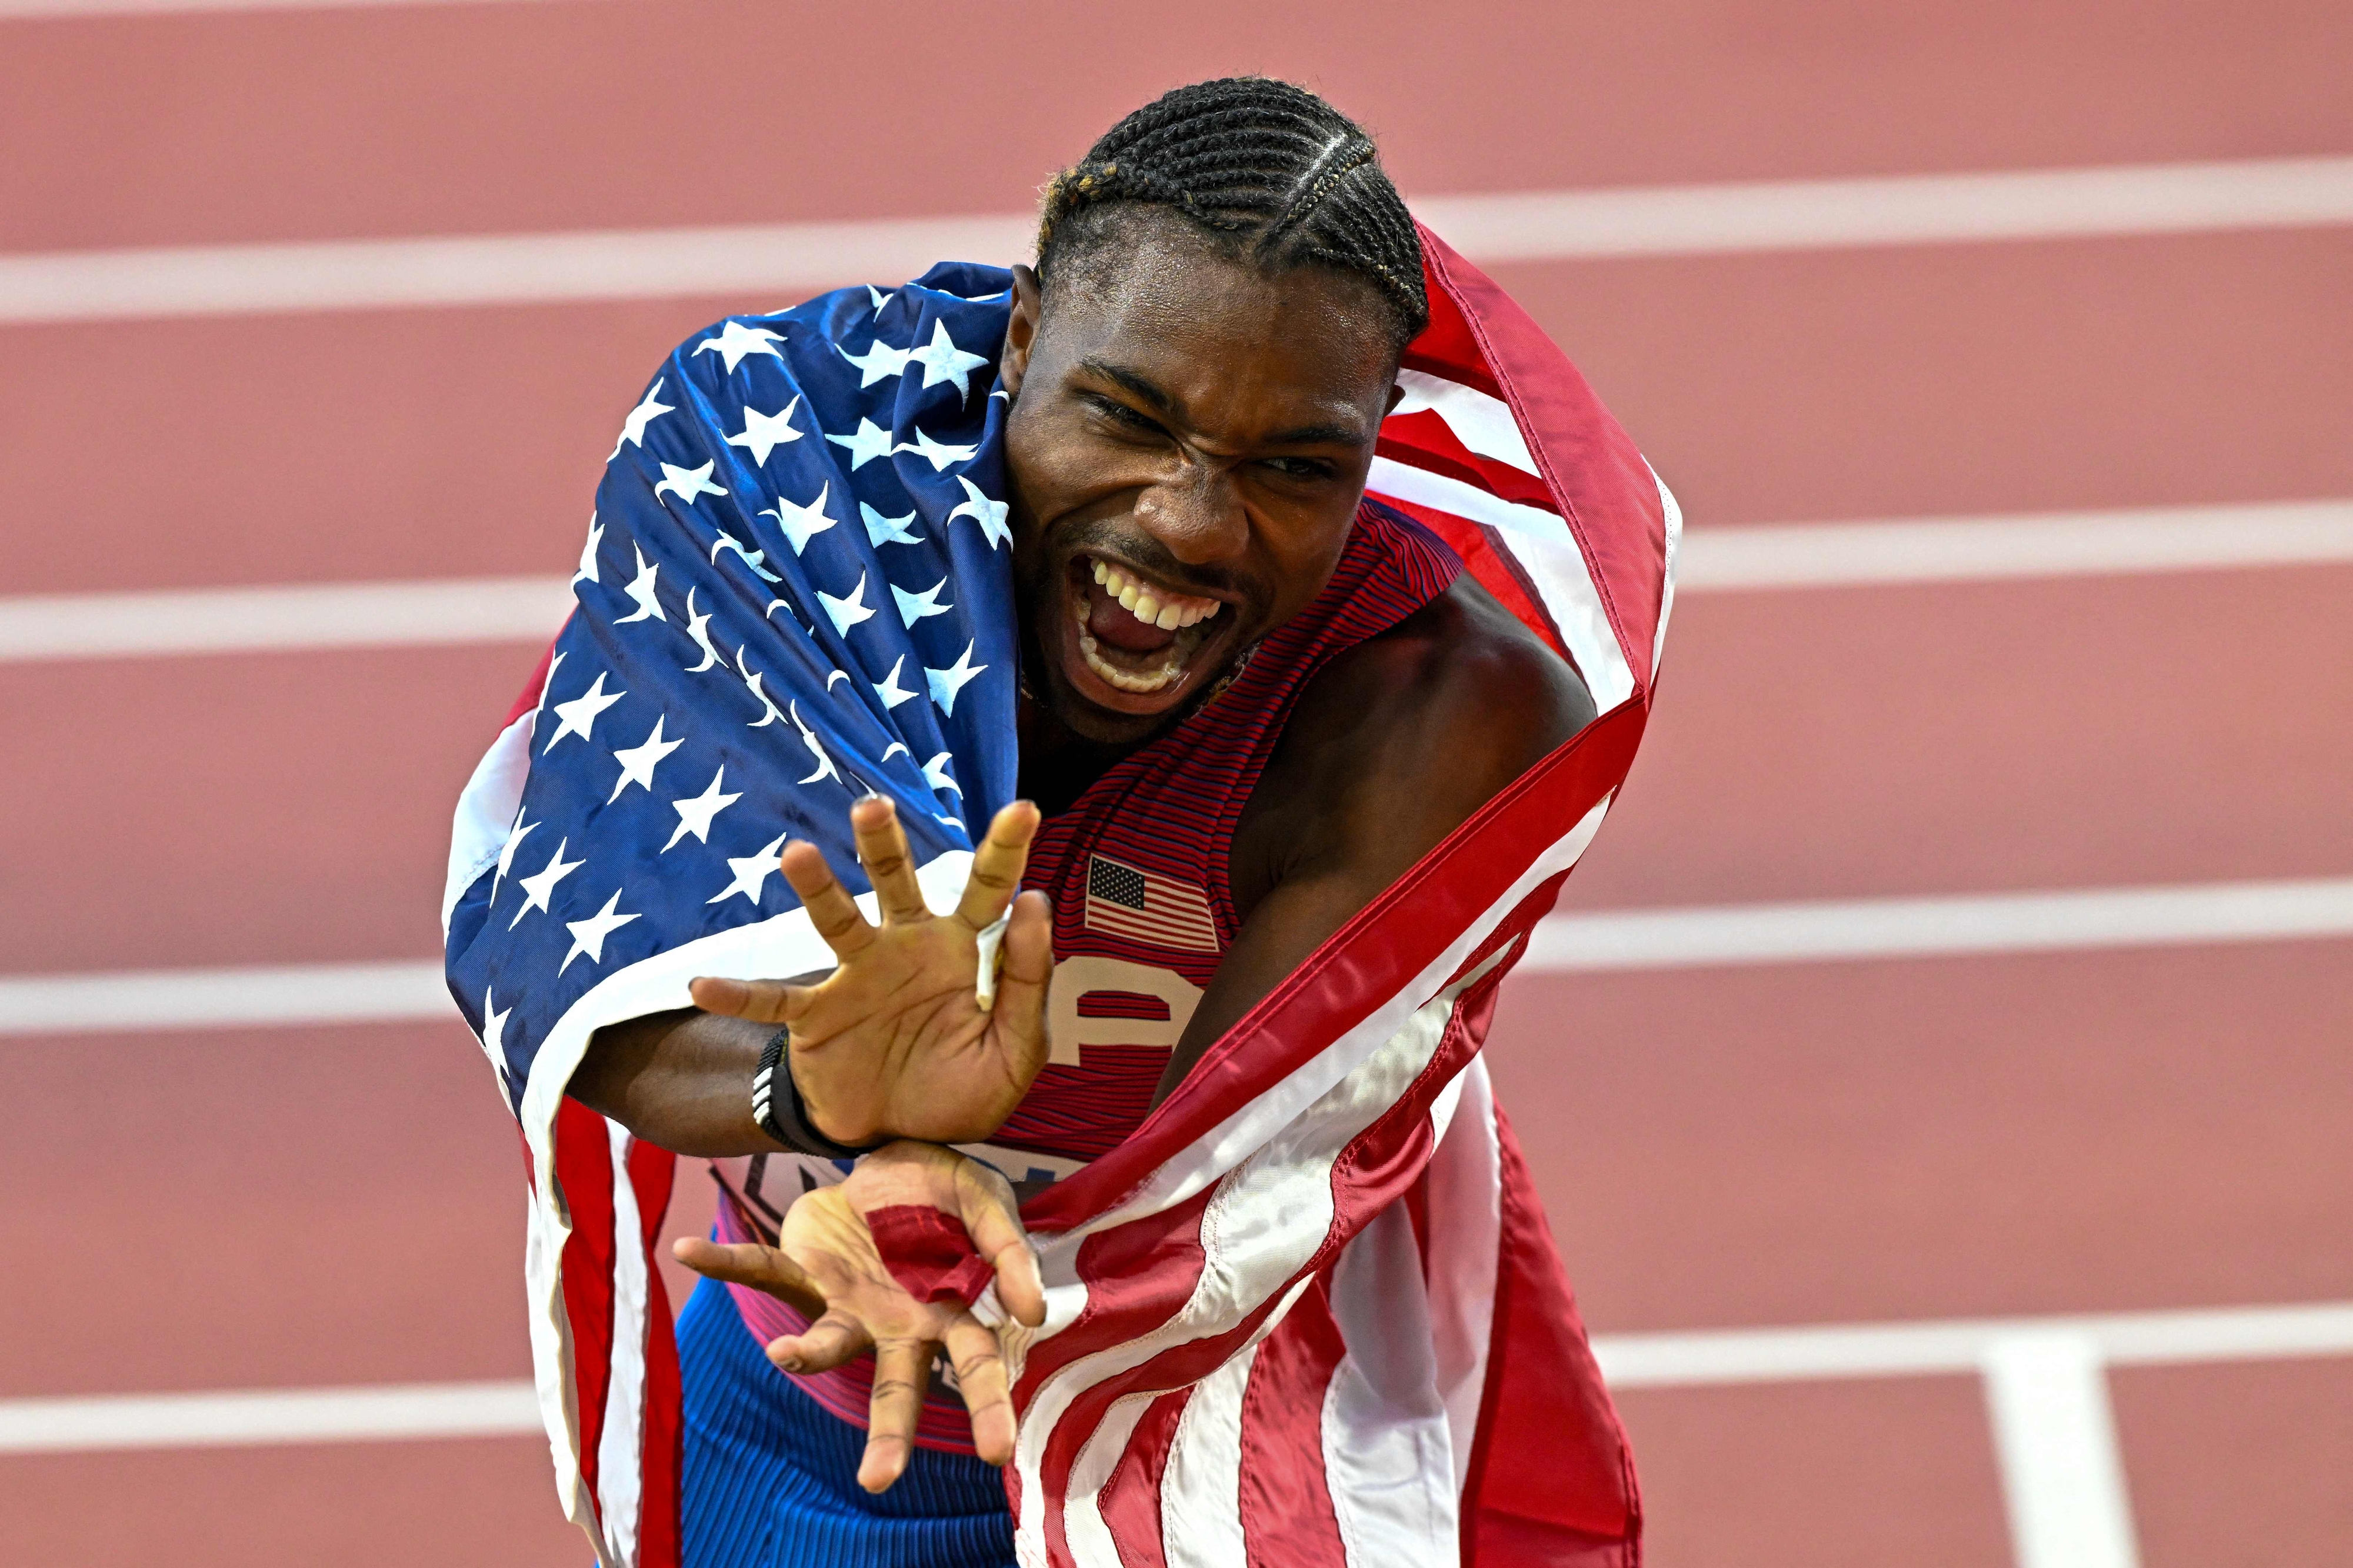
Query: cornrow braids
x,y
1277,175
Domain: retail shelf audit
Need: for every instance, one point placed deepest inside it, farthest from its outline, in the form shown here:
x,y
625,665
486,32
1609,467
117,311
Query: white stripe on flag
x,y
791,258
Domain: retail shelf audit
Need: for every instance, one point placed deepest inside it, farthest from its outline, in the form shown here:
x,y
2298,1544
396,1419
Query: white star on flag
x,y
688,483
879,297
515,835
633,428
943,361
866,443
542,883
947,683
494,1033
989,514
752,678
754,559
847,613
935,773
764,433
697,626
638,763
936,453
880,529
752,873
642,591
825,768
579,715
914,608
694,813
802,523
880,361
889,689
587,573
589,936
735,340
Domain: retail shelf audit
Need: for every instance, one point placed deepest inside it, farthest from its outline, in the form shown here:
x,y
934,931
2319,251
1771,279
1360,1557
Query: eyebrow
x,y
1149,392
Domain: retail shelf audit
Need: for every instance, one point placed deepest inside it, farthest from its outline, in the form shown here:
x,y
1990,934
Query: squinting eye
x,y
1299,468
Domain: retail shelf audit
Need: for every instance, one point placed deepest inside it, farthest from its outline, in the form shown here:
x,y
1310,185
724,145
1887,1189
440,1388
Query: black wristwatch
x,y
777,1107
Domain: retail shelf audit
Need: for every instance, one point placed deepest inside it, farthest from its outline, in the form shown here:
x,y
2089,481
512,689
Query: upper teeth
x,y
1153,606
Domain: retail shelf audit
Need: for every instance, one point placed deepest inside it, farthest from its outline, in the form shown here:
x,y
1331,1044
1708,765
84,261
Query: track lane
x,y
463,443
318,124
359,1505
2080,1132
201,810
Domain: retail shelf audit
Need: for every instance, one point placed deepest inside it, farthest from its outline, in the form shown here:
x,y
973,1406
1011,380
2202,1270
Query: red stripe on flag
x,y
583,1177
1131,1495
1286,1500
1425,440
1608,493
1551,1479
653,1171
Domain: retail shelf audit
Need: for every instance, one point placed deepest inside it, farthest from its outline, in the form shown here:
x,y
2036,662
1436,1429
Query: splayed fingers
x,y
997,865
882,850
763,1268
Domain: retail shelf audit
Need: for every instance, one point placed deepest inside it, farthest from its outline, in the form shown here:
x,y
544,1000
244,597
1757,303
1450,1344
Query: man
x,y
1250,701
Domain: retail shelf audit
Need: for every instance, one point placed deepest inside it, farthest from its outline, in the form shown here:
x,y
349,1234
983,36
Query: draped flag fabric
x,y
1309,1313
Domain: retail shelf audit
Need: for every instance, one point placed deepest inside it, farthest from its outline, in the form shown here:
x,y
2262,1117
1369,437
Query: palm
x,y
825,1264
897,1042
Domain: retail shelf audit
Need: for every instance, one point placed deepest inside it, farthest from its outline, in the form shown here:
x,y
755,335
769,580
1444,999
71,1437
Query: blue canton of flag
x,y
796,588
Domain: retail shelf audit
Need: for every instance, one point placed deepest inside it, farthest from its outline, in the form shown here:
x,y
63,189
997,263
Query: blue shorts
x,y
771,1476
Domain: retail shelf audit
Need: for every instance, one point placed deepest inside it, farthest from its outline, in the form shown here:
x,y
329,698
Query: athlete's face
x,y
1187,444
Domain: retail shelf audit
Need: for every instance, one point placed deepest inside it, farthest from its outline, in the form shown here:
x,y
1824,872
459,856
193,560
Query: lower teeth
x,y
1140,683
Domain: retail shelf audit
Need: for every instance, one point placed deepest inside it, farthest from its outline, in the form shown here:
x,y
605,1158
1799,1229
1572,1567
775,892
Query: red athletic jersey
x,y
1136,866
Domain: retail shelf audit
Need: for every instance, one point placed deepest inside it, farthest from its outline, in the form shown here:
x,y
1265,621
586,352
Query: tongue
x,y
1111,624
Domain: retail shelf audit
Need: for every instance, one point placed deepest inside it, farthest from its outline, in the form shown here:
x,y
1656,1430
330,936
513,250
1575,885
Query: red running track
x,y
1863,1142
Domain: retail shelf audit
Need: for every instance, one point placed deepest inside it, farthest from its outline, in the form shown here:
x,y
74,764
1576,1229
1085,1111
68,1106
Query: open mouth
x,y
1140,637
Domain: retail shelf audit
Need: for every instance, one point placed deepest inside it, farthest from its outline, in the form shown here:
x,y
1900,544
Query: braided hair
x,y
1273,171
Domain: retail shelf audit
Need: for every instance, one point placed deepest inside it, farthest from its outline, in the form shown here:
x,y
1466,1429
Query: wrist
x,y
781,1112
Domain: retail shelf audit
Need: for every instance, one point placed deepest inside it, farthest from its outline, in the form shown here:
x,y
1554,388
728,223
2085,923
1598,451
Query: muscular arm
x,y
680,1079
1394,746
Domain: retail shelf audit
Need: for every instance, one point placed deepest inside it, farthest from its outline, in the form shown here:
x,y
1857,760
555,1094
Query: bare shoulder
x,y
1400,740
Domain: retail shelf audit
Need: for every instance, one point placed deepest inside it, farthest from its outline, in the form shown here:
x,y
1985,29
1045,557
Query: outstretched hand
x,y
896,1043
827,1265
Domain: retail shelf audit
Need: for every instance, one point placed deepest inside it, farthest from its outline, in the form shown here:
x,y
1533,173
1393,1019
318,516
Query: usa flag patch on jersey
x,y
1124,900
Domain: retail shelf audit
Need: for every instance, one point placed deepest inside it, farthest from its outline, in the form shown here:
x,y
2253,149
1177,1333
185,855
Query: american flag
x,y
1309,1312
1126,901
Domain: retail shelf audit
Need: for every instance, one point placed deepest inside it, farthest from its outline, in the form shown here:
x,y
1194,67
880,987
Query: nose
x,y
1196,514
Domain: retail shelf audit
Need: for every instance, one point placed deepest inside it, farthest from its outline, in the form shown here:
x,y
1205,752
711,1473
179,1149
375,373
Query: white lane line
x,y
1833,929
268,1416
1712,560
1934,1347
2028,545
1904,209
788,259
263,997
281,618
2055,1436
1822,930
1628,1360
74,10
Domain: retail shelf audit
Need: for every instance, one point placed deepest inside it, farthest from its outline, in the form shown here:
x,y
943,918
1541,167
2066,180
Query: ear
x,y
1021,331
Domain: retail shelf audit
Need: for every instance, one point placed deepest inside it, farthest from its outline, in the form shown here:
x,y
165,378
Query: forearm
x,y
679,1080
